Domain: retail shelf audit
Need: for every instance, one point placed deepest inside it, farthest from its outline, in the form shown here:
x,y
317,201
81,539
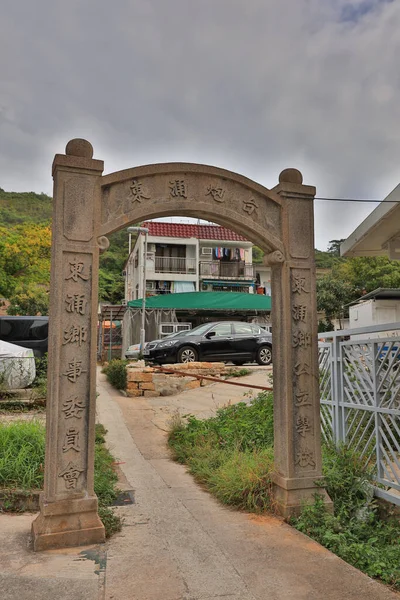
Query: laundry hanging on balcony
x,y
228,253
177,287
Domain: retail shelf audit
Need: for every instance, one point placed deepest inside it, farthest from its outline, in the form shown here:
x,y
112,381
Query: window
x,y
247,329
244,329
222,330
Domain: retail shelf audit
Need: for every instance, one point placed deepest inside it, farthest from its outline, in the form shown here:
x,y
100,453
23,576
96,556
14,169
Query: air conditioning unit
x,y
206,251
150,285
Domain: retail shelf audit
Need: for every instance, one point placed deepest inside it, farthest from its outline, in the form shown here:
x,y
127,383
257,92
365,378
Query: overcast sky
x,y
254,86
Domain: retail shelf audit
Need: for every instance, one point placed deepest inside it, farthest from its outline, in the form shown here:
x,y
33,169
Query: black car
x,y
28,332
233,341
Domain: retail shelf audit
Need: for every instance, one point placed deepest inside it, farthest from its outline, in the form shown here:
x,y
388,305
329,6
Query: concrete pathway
x,y
177,542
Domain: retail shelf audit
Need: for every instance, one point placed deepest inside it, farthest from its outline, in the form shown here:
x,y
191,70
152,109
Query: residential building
x,y
183,257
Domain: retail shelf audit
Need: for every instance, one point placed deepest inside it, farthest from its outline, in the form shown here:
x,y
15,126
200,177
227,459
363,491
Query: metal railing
x,y
169,264
360,399
234,269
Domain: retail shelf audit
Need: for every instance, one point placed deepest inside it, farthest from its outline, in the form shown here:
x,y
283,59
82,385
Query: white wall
x,y
374,312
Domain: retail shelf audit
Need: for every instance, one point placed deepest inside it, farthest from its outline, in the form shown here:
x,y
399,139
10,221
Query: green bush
x,y
115,372
354,532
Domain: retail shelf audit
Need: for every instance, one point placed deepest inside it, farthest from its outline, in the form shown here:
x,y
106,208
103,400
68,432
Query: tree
x,y
334,247
369,273
332,294
30,301
24,258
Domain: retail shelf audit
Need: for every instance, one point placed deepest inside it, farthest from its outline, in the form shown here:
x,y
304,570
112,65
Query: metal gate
x,y
360,399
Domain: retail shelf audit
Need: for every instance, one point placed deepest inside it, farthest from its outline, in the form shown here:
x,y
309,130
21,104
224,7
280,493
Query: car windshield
x,y
199,330
176,334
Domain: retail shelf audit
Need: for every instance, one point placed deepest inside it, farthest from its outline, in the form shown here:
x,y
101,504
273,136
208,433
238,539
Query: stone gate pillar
x,y
68,506
296,386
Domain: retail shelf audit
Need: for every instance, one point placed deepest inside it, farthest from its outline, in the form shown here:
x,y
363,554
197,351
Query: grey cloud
x,y
252,86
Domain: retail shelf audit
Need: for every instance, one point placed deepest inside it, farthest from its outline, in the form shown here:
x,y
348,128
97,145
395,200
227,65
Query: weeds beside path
x,y
22,448
232,455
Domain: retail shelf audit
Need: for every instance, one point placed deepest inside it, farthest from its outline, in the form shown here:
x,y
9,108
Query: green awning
x,y
211,301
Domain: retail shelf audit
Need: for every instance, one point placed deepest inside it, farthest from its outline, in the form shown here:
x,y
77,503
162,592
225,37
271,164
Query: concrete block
x,y
150,394
192,384
134,393
132,385
140,376
147,385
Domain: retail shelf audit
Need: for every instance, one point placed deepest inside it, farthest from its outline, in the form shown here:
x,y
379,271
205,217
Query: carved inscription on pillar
x,y
74,367
303,400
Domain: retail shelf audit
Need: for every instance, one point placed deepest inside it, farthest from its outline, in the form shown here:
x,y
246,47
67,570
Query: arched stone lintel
x,y
188,168
267,241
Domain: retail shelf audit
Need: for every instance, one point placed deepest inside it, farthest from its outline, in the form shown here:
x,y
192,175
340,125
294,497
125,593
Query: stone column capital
x,y
291,186
78,155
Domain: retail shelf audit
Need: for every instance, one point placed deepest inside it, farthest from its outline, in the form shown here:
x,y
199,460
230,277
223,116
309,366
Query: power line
x,y
357,200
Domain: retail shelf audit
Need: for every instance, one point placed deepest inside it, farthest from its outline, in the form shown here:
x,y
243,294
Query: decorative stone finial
x,y
274,258
79,147
291,176
103,243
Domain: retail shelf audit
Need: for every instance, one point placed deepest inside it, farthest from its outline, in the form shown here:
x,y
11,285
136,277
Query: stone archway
x,y
87,207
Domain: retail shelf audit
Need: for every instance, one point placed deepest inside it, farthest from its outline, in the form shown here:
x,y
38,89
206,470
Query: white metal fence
x,y
360,399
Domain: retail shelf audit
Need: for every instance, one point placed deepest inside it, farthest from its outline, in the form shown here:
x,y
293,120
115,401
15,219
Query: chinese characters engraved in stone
x,y
73,407
305,457
76,303
75,335
250,206
217,193
76,270
178,188
299,285
74,370
70,475
137,193
301,339
71,440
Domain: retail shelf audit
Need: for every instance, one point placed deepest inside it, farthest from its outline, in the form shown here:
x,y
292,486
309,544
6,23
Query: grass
x,y
22,447
237,373
231,454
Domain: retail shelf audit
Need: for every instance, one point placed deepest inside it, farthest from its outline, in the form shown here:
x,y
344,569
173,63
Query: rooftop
x,y
375,235
189,230
379,294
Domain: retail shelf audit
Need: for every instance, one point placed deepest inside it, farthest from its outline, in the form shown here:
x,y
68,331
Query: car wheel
x,y
187,354
264,355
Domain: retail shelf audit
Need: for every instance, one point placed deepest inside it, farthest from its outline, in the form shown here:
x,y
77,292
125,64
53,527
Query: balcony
x,y
167,264
226,270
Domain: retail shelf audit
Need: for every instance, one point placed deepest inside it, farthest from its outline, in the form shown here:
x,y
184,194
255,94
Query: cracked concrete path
x,y
178,543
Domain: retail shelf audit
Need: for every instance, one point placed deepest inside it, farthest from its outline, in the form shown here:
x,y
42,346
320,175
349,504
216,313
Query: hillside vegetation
x,y
25,248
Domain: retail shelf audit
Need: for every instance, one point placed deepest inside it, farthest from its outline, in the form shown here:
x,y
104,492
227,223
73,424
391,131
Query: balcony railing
x,y
167,264
231,270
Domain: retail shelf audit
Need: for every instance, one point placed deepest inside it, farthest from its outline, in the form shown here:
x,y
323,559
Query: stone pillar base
x,y
291,495
67,523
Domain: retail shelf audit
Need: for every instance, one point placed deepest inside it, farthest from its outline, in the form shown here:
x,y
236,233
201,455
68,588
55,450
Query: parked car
x,y
28,332
233,341
134,350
